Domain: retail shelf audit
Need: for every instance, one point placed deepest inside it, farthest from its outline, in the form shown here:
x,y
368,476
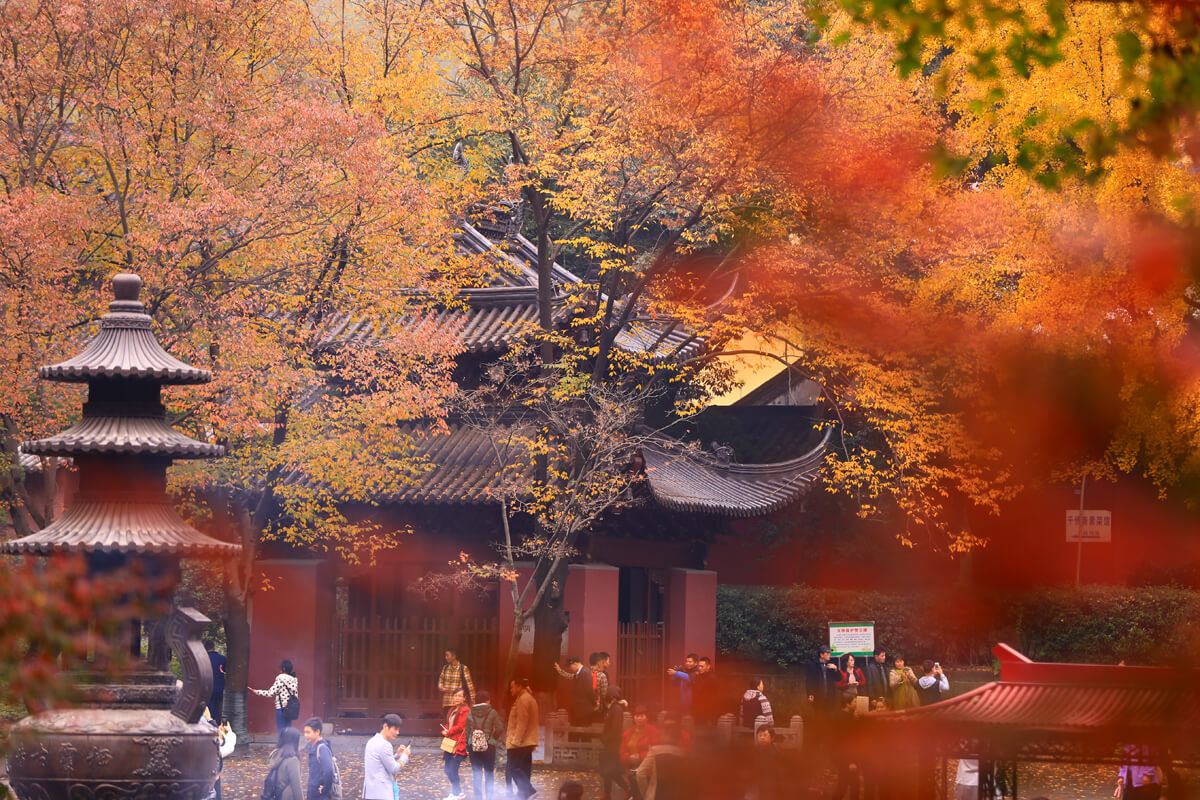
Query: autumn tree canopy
x,y
978,241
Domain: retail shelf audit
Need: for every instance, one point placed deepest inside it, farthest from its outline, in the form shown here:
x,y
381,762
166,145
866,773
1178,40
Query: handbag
x,y
449,745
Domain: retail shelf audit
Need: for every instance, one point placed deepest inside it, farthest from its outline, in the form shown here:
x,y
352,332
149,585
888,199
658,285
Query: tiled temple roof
x,y
119,527
481,321
681,481
463,469
485,319
147,435
125,347
122,505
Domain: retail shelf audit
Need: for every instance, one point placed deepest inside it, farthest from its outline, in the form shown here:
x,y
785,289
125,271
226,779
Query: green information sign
x,y
852,637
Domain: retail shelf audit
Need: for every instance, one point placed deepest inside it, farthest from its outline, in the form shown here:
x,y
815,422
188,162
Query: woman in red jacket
x,y
455,730
851,677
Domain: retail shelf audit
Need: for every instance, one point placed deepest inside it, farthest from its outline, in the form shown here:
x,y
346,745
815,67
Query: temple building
x,y
364,643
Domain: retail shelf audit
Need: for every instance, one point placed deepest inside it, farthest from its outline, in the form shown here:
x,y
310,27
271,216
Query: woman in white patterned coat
x,y
282,690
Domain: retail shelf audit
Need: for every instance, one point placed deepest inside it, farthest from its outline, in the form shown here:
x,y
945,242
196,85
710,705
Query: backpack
x,y
335,789
291,709
271,784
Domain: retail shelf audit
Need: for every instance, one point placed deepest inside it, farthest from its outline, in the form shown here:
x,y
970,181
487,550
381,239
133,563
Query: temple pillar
x,y
292,619
691,614
590,600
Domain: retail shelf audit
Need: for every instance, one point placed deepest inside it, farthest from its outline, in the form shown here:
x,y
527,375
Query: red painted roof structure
x,y
1058,712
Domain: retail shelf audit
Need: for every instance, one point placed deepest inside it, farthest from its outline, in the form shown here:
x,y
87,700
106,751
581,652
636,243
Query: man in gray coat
x,y
380,766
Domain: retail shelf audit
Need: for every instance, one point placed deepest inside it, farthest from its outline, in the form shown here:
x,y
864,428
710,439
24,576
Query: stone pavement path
x,y
423,779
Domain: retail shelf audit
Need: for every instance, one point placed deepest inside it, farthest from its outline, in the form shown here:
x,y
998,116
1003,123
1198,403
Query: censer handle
x,y
184,627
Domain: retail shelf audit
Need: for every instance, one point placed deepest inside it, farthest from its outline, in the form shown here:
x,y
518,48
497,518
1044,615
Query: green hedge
x,y
783,626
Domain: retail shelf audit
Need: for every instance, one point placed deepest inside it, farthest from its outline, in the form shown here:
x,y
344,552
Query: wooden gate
x,y
392,664
641,667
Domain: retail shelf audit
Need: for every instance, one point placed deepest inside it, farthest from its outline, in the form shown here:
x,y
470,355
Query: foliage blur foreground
x,y
56,622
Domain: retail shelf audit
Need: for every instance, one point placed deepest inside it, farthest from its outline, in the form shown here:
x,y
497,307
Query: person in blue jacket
x,y
320,760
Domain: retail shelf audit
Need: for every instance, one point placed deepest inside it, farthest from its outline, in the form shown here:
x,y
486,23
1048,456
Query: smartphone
x,y
410,741
937,665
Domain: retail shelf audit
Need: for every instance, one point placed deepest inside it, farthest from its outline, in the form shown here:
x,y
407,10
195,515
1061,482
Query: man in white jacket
x,y
380,765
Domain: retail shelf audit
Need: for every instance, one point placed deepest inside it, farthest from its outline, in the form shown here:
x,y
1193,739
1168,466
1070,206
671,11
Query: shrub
x,y
783,626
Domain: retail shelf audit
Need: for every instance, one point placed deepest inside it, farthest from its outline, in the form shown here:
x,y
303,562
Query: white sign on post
x,y
852,637
1089,526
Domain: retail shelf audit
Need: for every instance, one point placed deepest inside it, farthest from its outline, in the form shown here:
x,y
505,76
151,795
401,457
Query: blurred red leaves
x,y
55,618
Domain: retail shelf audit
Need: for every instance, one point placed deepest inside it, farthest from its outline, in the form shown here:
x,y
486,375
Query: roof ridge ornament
x,y
125,346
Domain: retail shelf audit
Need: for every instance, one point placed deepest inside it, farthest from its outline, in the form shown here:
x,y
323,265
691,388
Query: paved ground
x,y
424,779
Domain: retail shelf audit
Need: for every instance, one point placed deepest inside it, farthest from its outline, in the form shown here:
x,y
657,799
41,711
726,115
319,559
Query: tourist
x,y
669,718
850,677
226,743
637,740
610,745
765,779
755,706
217,701
321,768
1138,781
661,772
283,768
821,677
455,675
582,708
933,684
285,691
875,675
705,694
521,738
681,678
483,734
454,741
845,760
903,682
380,763
600,663
966,781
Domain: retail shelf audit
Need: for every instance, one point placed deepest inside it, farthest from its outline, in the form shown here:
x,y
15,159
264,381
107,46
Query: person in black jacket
x,y
875,673
610,744
583,691
821,677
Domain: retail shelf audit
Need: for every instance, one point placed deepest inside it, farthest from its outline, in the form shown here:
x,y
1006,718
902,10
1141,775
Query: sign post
x,y
856,638
1087,525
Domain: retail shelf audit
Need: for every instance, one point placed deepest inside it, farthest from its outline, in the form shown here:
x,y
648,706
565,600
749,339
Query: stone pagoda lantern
x,y
135,735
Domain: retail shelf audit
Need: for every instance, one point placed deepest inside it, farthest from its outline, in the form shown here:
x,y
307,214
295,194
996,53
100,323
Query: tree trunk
x,y
514,649
549,622
239,588
237,665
